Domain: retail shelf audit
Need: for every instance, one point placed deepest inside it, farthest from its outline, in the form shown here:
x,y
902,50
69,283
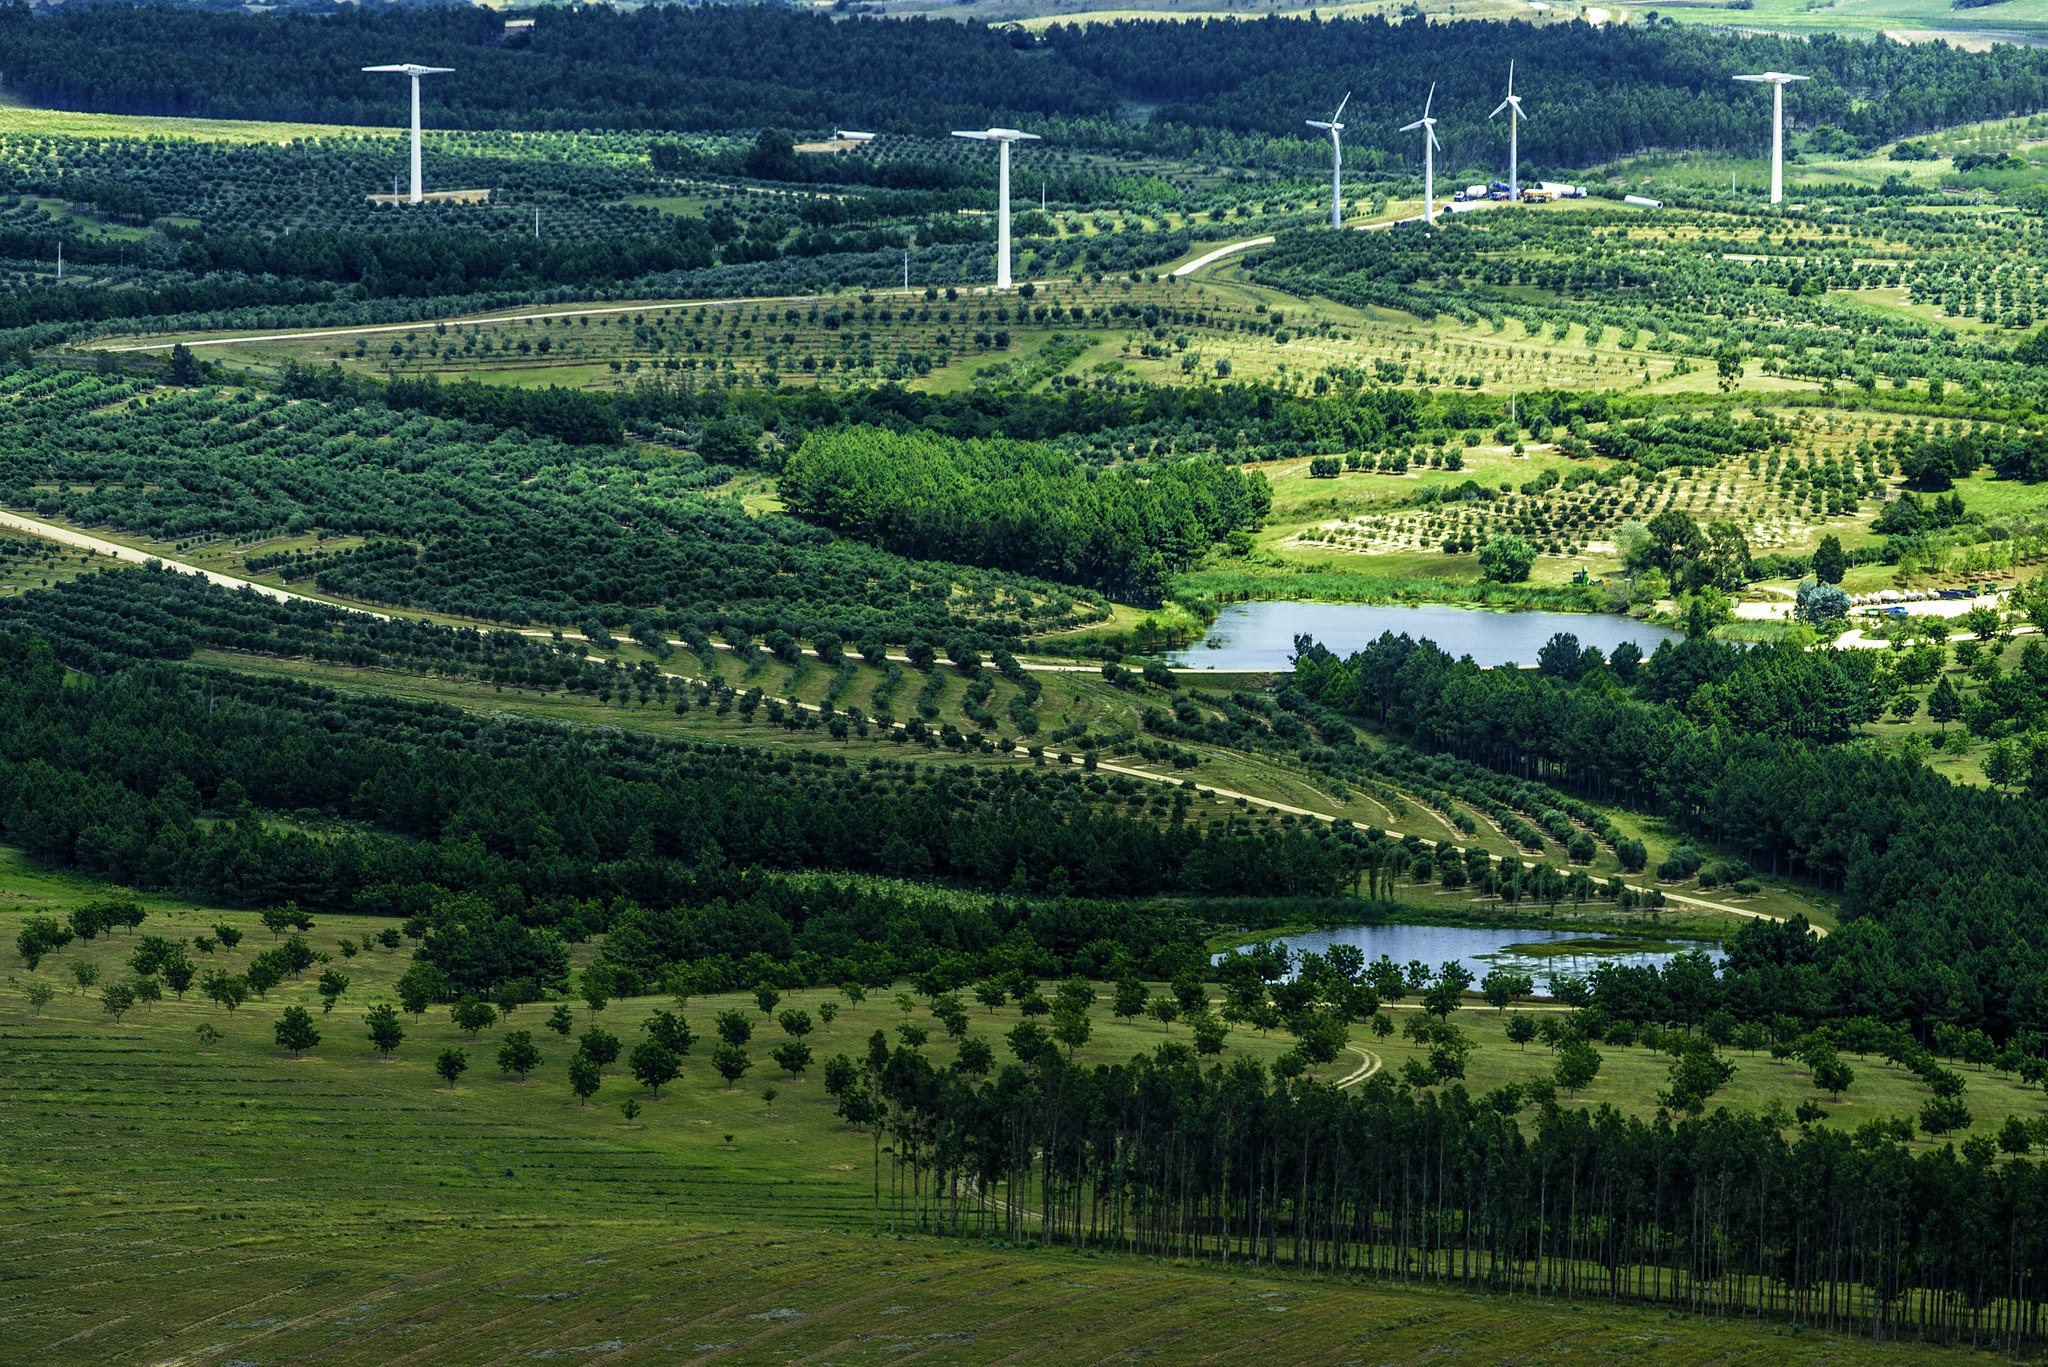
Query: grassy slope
x,y
168,1201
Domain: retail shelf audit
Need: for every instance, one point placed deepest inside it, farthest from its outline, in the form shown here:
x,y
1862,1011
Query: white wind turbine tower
x,y
415,71
1513,105
1336,132
1003,137
1429,146
1777,80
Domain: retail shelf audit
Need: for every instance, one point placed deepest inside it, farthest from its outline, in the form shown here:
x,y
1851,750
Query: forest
x,y
531,815
1605,91
1016,506
1943,917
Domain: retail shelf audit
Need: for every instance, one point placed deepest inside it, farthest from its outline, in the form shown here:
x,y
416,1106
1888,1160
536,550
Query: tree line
x,y
1606,91
437,802
1509,1192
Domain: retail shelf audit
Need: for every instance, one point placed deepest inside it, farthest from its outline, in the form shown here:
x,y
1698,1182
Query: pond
x,y
1255,637
1539,953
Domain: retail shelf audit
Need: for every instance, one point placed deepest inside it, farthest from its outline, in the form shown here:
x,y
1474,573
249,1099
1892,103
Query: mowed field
x,y
169,1195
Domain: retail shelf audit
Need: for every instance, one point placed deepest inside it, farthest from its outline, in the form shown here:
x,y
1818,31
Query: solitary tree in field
x,y
1165,1010
116,999
734,1028
732,1063
1521,1029
1833,1076
295,1031
600,1046
332,985
385,1031
1578,1063
792,1057
976,1058
39,994
472,1016
518,1054
990,994
596,988
766,998
1830,563
584,1078
1071,1027
1944,704
563,1021
654,1066
1130,999
451,1064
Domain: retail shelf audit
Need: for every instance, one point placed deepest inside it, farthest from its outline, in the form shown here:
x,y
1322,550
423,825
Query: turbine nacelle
x,y
1429,124
1774,78
413,69
996,135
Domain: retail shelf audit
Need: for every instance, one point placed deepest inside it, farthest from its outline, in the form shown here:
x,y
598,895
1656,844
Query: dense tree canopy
x,y
1941,884
1014,505
1598,92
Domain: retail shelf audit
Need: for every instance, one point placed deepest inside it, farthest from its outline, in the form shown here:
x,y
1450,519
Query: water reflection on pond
x,y
1540,953
1258,637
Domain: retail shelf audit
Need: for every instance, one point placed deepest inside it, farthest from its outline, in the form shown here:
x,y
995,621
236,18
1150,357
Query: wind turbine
x,y
1429,146
1513,105
1777,80
415,71
1336,132
1003,137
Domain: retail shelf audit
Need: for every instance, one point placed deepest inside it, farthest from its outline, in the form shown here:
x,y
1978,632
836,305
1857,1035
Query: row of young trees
x,y
540,821
471,518
1718,1214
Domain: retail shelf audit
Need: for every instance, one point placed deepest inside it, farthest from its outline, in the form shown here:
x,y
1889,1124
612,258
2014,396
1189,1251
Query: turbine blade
x,y
1504,104
1430,101
1411,127
1340,107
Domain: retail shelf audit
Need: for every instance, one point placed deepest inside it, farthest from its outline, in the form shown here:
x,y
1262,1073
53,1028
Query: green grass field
x,y
174,1197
